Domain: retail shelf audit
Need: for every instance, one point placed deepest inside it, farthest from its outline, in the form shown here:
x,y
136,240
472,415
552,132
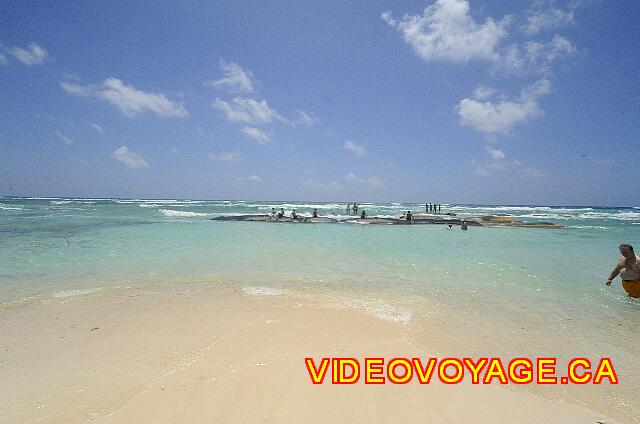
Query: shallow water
x,y
537,291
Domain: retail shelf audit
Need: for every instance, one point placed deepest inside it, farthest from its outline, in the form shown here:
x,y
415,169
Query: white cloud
x,y
357,149
498,117
445,31
305,119
533,57
3,59
64,138
98,128
129,159
498,162
128,99
317,185
254,178
257,134
496,155
32,56
235,78
481,92
77,89
544,15
372,182
478,169
247,110
226,157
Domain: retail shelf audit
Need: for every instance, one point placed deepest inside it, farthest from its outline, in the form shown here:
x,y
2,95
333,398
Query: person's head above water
x,y
626,250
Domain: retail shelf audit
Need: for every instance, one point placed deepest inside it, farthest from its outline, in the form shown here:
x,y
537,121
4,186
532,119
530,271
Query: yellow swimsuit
x,y
632,287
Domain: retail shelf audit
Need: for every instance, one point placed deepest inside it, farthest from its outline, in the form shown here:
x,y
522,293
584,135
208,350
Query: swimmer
x,y
629,269
450,226
463,225
408,217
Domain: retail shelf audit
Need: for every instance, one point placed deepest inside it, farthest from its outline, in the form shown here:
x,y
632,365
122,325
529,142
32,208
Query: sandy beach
x,y
223,356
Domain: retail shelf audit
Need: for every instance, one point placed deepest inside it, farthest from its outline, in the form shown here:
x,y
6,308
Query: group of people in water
x,y
432,208
628,266
278,215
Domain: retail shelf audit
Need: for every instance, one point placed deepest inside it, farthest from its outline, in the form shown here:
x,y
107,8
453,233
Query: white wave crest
x,y
183,214
262,291
74,292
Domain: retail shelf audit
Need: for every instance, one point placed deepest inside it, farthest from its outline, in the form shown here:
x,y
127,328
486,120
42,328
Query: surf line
x,y
454,370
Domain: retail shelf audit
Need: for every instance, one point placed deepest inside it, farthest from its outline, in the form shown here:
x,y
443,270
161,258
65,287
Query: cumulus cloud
x,y
127,98
496,155
129,158
445,31
247,110
372,182
235,78
33,55
305,119
534,57
226,157
357,149
498,162
256,134
499,117
64,138
543,15
482,92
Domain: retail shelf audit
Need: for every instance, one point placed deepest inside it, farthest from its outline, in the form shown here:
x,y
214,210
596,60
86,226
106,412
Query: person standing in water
x,y
315,213
463,225
629,269
363,215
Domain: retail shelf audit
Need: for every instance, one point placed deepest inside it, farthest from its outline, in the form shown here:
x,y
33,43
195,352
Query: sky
x,y
452,101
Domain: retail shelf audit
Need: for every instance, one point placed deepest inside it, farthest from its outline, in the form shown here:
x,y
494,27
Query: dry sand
x,y
222,356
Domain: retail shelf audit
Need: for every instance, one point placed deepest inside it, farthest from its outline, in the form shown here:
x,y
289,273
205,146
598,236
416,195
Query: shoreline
x,y
222,355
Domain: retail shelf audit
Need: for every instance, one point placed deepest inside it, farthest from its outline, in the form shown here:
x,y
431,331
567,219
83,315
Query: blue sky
x,y
531,102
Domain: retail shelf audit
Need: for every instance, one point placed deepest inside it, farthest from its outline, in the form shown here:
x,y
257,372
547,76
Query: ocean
x,y
487,291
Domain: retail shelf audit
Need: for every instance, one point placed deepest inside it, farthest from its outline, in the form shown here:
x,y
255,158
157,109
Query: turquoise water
x,y
52,245
486,291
